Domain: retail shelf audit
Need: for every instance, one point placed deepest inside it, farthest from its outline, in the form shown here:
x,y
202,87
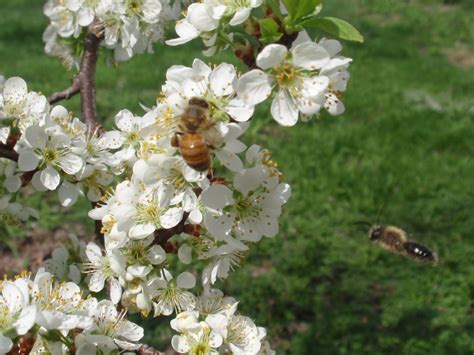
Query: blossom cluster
x,y
210,20
215,327
54,148
56,318
129,27
174,185
216,219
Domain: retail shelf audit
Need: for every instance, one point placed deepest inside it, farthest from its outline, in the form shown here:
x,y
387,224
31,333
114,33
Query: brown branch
x,y
148,350
162,235
8,152
66,94
87,76
84,81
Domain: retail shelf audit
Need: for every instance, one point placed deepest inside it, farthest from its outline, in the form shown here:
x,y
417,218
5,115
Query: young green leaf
x,y
306,8
269,30
291,7
336,27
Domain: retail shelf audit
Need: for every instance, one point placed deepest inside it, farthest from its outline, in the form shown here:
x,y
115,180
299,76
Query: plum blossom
x,y
306,78
206,18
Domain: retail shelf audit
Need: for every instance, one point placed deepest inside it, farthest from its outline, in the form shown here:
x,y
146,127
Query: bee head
x,y
375,232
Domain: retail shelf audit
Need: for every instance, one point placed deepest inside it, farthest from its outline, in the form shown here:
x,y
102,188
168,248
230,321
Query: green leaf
x,y
291,7
336,27
306,8
270,30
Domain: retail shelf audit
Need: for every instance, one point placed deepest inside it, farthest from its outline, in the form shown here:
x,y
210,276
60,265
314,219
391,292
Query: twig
x,y
66,94
148,350
87,76
7,152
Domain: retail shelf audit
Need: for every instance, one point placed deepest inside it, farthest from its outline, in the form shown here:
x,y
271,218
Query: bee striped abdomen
x,y
419,252
194,151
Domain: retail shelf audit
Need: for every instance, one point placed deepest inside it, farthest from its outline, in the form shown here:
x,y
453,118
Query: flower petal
x,y
271,56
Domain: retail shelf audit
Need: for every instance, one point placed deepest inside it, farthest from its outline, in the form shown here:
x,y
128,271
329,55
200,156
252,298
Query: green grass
x,y
405,141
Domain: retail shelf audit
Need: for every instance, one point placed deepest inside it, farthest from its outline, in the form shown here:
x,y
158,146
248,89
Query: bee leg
x,y
175,140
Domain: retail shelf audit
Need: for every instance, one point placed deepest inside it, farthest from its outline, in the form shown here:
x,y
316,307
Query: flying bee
x,y
396,241
197,136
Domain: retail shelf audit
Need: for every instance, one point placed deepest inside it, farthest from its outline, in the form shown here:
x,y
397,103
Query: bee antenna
x,y
379,214
363,223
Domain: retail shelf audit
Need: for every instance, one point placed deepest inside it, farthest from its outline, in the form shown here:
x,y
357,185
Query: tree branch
x,y
148,350
66,94
87,76
7,152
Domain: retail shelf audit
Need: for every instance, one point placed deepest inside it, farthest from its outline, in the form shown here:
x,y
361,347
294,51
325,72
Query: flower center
x,y
285,74
134,7
148,213
50,155
200,348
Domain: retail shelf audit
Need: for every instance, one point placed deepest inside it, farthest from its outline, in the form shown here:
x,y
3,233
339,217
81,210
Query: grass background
x,y
405,140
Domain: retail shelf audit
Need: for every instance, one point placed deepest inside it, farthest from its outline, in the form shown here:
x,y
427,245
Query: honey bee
x,y
197,136
396,241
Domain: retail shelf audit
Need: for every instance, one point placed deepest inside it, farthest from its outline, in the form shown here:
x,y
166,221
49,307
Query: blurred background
x,y
406,140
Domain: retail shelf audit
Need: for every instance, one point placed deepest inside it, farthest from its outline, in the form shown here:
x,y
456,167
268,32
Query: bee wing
x,y
213,136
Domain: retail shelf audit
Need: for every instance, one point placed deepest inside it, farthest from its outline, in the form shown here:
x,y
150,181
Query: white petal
x,y
156,255
218,226
185,31
186,280
310,55
141,231
26,320
97,282
112,139
249,179
14,90
27,161
5,344
36,136
217,197
71,163
254,87
240,17
334,105
179,343
85,16
68,194
284,110
184,254
200,18
115,290
171,217
230,160
124,120
222,79
50,178
94,254
271,56
12,183
239,111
